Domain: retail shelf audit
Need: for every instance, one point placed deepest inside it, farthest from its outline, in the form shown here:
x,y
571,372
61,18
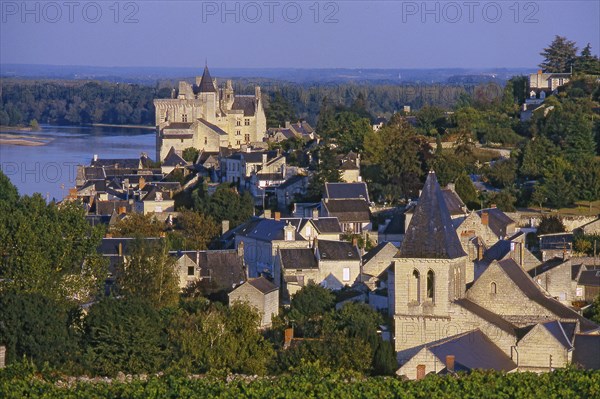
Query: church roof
x,y
206,84
430,233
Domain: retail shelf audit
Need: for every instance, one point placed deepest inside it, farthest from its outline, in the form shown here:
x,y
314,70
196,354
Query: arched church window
x,y
415,287
493,288
430,285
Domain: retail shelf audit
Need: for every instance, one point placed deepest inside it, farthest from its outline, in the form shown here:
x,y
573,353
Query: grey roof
x,y
262,284
396,224
473,350
589,278
556,241
173,159
487,315
453,202
346,191
327,225
293,180
244,103
108,207
374,251
265,230
337,250
528,287
152,194
206,84
349,210
546,266
555,328
498,221
128,163
587,351
298,258
220,270
430,233
178,125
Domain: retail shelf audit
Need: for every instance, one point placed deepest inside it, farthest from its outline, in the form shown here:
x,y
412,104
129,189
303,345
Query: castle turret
x,y
208,94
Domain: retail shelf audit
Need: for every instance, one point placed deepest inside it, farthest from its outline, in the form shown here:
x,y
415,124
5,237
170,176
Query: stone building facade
x,y
207,117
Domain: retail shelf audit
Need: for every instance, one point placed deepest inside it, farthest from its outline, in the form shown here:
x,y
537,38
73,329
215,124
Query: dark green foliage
x,y
550,224
307,308
503,173
190,154
326,171
384,359
560,56
505,200
431,121
225,204
123,336
466,191
36,327
593,313
279,110
8,191
587,62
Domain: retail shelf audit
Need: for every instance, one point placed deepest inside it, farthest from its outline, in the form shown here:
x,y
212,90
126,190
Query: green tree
x,y
190,154
279,111
194,231
503,173
466,191
557,183
225,204
587,62
550,224
326,171
123,336
37,327
536,156
8,192
431,120
149,275
560,56
138,225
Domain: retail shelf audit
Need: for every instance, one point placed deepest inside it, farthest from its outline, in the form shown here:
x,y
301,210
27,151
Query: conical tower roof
x,y
206,84
430,233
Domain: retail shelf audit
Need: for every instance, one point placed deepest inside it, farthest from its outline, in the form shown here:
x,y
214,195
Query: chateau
x,y
207,117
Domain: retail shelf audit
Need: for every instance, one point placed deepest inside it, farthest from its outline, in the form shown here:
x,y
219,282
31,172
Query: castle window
x,y
493,288
238,123
414,289
247,137
430,285
184,118
238,132
247,122
205,140
238,142
190,271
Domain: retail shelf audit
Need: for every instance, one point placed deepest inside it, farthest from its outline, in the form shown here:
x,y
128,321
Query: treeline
x,y
77,103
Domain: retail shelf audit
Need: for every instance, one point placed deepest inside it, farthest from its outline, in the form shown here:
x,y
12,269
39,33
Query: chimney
x,y
277,216
315,213
450,363
288,337
95,157
539,71
485,218
240,249
224,226
420,371
267,214
493,206
122,210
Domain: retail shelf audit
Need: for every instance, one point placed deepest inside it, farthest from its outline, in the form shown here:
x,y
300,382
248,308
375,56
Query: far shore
x,y
4,128
123,126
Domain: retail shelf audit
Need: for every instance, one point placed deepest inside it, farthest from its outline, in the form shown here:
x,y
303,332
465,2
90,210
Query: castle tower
x,y
208,95
429,271
228,96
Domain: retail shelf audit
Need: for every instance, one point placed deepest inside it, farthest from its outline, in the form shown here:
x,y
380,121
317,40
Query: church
x,y
447,317
207,117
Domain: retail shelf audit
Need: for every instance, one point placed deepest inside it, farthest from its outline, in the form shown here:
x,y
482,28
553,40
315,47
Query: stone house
x,y
555,277
556,245
354,215
432,301
260,293
206,117
156,200
290,190
375,262
587,286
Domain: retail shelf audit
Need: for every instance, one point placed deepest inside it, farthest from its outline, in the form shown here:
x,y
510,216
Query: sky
x,y
294,34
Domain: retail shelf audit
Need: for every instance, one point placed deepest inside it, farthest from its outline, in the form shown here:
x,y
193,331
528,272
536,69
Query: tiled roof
x,y
337,250
298,258
349,210
206,84
292,180
265,230
430,233
346,191
244,103
220,270
262,284
375,251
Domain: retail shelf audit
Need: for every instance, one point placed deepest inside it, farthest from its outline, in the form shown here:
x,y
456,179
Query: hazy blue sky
x,y
306,34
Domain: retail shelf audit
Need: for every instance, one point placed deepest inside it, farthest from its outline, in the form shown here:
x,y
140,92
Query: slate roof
x,y
589,278
262,284
152,194
173,159
498,221
555,328
473,350
292,180
206,84
453,202
546,266
128,163
556,241
244,103
430,233
374,251
487,315
396,224
337,250
108,207
528,287
265,230
348,210
298,258
327,225
215,128
587,351
346,191
178,126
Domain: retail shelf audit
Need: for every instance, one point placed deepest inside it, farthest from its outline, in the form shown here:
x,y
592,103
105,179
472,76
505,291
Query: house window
x,y
238,132
430,285
205,140
184,118
238,142
247,137
346,274
238,123
246,122
493,288
190,271
415,287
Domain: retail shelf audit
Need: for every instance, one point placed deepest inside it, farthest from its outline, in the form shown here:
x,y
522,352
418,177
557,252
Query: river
x,y
46,161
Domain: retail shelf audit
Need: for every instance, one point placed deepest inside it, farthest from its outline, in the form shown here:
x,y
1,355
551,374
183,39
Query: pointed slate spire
x,y
206,84
430,233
